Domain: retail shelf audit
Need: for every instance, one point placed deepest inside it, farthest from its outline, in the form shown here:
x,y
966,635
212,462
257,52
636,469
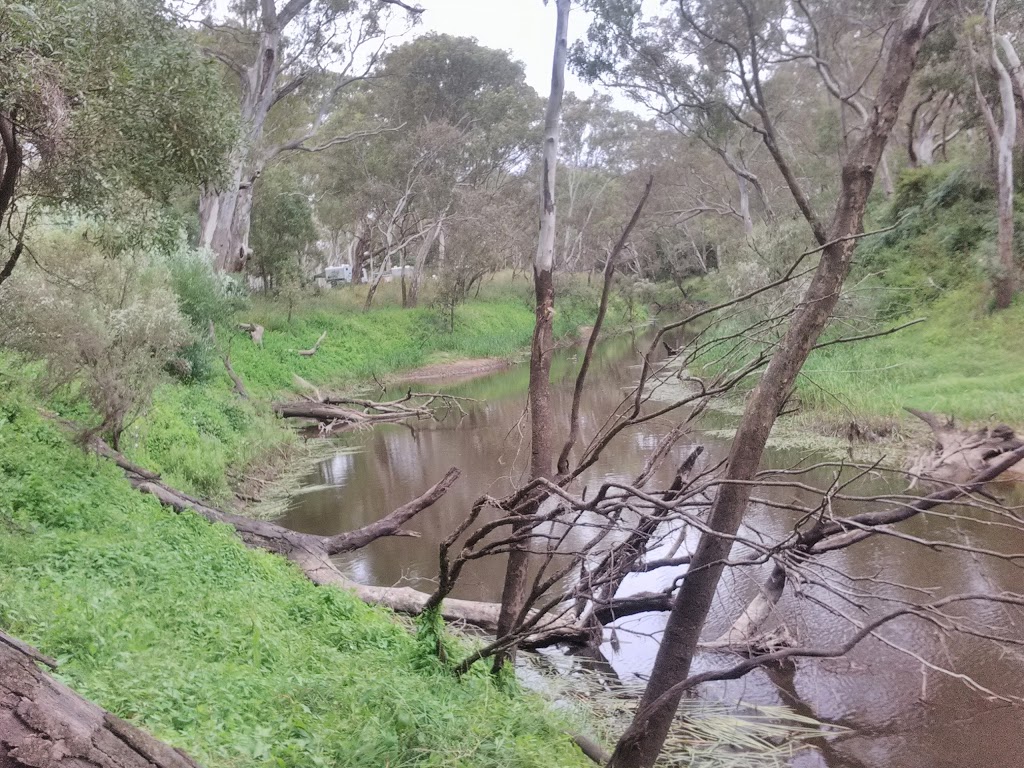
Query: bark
x,y
225,213
1003,141
959,455
13,160
514,591
641,745
44,724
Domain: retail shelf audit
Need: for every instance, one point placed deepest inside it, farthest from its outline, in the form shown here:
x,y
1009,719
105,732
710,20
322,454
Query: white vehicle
x,y
340,274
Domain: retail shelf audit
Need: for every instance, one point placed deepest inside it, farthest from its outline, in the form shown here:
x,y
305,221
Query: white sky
x,y
526,28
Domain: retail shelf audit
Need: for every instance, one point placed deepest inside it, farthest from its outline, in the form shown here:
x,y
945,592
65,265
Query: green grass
x,y
962,361
228,653
387,339
200,435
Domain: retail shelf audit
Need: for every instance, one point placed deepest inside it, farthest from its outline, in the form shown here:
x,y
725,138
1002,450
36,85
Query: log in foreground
x,y
44,724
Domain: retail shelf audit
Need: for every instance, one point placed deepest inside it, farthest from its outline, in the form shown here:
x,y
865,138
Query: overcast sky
x,y
524,27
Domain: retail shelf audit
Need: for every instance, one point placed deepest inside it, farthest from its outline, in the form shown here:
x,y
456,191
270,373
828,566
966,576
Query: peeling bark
x,y
44,724
541,451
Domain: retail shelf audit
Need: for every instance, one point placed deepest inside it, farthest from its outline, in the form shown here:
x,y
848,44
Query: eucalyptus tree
x,y
722,55
994,52
286,59
467,121
513,597
100,99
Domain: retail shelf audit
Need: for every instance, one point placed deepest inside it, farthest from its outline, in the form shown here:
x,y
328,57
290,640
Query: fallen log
x,y
337,413
958,454
44,724
313,350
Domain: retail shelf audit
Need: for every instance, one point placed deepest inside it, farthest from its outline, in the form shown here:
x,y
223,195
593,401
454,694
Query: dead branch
x,y
313,350
959,454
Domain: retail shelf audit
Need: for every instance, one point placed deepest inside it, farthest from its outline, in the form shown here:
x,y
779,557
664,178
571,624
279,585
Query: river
x,y
894,712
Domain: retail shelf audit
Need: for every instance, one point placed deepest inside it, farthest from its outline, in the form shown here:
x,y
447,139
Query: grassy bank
x,y
933,262
203,438
228,653
962,361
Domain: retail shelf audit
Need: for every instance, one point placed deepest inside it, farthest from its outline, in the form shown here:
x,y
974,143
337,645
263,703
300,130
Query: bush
x,y
107,325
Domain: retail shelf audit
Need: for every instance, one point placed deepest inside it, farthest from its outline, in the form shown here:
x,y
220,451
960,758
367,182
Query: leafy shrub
x,y
108,325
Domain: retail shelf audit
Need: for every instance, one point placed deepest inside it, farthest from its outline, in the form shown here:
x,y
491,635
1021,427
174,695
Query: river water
x,y
893,711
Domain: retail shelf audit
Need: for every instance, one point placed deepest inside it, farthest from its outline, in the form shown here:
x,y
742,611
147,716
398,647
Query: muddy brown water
x,y
895,712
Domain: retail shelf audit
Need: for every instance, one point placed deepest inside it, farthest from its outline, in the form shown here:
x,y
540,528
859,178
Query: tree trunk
x,y
225,214
642,742
44,724
1006,281
541,452
748,222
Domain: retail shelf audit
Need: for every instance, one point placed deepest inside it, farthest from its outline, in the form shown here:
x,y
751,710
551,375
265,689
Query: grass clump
x,y
228,653
962,361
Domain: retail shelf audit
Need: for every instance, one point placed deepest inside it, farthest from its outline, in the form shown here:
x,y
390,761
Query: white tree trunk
x,y
225,214
541,452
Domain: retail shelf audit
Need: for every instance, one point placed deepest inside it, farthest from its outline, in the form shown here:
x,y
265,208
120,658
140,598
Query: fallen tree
x,y
959,454
44,724
337,413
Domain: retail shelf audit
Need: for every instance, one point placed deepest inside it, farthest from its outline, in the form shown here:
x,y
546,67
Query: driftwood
x,y
311,553
960,454
255,332
336,413
44,724
313,350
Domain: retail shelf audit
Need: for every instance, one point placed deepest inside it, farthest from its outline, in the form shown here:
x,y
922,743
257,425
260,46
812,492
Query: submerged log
x,y
958,454
44,724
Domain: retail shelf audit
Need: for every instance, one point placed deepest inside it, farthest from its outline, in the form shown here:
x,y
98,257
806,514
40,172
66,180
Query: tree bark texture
x,y
225,213
1003,141
541,450
642,743
44,724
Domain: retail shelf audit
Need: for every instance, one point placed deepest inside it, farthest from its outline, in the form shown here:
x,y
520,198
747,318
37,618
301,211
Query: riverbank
x,y
267,669
264,668
206,440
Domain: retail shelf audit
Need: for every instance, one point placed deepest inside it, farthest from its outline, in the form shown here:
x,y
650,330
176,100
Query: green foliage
x,y
282,229
963,361
105,327
228,653
111,96
944,222
204,296
362,345
199,436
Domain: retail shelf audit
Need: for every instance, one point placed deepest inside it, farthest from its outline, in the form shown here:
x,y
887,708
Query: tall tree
x,y
1003,136
742,38
314,48
541,447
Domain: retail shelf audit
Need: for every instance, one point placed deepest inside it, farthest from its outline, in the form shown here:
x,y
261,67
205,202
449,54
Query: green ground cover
x,y
228,653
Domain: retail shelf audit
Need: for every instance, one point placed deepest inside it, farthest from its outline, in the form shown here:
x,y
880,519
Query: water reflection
x,y
902,714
